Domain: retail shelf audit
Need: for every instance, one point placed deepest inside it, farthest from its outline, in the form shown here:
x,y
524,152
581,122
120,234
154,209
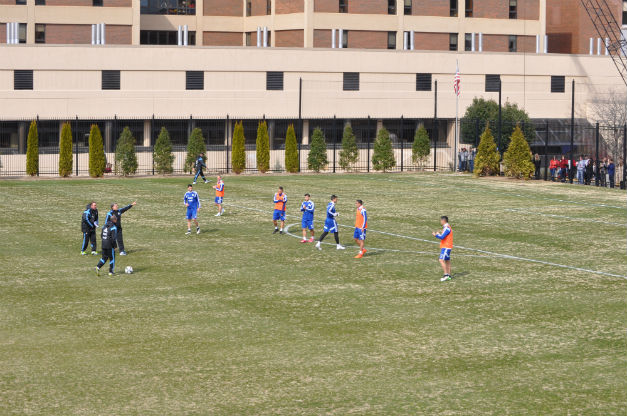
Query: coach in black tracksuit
x,y
117,212
89,224
109,236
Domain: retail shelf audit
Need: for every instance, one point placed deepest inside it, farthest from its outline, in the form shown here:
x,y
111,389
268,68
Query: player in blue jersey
x,y
330,225
307,208
280,201
192,202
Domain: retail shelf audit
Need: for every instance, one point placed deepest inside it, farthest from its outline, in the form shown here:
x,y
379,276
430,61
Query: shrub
x,y
349,154
263,147
32,150
421,148
291,150
317,158
97,159
162,156
487,158
65,151
195,146
125,157
517,158
238,149
382,154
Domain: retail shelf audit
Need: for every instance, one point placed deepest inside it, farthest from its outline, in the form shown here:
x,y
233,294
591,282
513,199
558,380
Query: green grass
x,y
239,321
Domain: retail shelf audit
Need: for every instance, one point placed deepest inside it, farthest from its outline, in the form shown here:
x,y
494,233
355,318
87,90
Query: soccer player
x,y
219,187
192,202
198,165
89,224
307,208
330,225
361,225
117,211
109,238
446,245
280,200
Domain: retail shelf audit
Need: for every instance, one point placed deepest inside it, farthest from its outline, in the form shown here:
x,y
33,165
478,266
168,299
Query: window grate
x,y
194,80
492,83
423,82
110,80
351,81
558,83
274,81
23,79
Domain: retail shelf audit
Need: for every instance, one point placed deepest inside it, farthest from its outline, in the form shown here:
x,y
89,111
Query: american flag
x,y
457,82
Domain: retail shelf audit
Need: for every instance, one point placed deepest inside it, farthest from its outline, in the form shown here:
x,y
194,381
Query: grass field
x,y
239,321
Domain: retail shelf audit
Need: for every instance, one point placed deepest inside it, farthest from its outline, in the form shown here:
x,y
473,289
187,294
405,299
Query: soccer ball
x,y
128,270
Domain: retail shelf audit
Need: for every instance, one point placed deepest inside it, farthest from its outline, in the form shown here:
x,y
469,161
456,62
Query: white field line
x,y
486,252
525,211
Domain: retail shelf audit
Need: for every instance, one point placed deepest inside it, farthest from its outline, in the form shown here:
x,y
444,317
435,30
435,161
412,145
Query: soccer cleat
x,y
276,230
194,183
188,232
281,232
217,215
111,273
222,212
93,253
318,245
340,247
122,253
206,181
303,241
97,271
359,255
83,253
446,278
197,230
311,240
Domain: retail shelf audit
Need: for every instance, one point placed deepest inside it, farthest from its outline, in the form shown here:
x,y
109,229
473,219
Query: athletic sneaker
x,y
217,215
303,241
122,253
206,181
93,253
194,183
188,232
197,230
446,278
340,247
318,245
311,240
111,273
222,212
359,255
281,232
276,230
97,271
83,253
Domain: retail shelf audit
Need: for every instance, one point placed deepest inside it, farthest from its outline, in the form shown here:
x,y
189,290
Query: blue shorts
x,y
218,200
278,215
307,224
359,234
191,213
445,254
330,226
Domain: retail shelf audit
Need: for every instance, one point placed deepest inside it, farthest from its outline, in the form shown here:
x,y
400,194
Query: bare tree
x,y
610,111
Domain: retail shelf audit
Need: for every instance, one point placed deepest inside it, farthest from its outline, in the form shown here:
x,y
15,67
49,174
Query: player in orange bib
x,y
361,225
446,245
219,187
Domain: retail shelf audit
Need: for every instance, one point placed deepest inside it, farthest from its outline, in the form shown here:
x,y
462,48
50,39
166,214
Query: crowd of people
x,y
585,171
466,159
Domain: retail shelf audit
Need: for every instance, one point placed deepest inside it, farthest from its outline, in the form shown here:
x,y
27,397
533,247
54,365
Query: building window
x,y
513,9
249,7
468,42
164,37
194,80
407,7
624,18
181,7
492,83
343,6
110,80
391,6
391,40
351,81
97,3
512,43
40,2
452,42
468,8
40,33
274,81
22,33
423,82
268,7
23,79
558,83
453,7
249,37
20,2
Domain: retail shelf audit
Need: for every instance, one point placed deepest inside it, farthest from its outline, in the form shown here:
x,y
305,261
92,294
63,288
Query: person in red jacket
x,y
563,164
553,166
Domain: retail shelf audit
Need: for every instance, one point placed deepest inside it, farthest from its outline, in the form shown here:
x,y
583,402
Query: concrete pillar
x,y
227,131
21,131
271,133
60,130
379,125
305,132
108,131
147,132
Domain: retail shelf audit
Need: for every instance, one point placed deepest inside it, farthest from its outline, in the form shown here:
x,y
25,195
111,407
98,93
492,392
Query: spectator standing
x,y
611,171
563,164
603,172
553,166
471,159
536,163
589,171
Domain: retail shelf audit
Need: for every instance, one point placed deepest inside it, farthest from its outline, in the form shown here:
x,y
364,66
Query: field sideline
x,y
239,321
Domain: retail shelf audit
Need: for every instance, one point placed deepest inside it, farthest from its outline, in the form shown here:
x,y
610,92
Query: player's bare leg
x,y
189,227
311,240
360,243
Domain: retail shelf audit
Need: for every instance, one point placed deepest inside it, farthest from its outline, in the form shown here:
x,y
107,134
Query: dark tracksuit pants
x,y
120,240
108,254
200,173
89,237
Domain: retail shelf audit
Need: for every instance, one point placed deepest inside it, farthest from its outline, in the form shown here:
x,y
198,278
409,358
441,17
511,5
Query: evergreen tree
x,y
162,156
291,150
32,150
195,146
421,148
238,149
382,154
349,154
317,158
517,158
125,157
263,147
487,158
65,151
97,159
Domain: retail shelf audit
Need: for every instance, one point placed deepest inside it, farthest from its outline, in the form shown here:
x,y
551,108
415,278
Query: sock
x,y
276,228
281,229
337,238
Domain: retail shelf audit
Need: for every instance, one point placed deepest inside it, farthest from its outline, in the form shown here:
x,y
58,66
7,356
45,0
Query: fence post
x,y
368,142
228,140
334,140
152,135
546,151
435,128
401,133
596,174
625,155
572,132
76,144
37,124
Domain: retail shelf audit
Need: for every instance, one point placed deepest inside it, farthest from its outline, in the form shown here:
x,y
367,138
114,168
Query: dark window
x,y
22,33
452,42
20,2
351,81
110,80
513,9
97,3
345,39
423,82
23,79
343,6
512,43
453,11
194,80
625,18
558,83
182,7
249,7
391,6
40,2
468,8
492,83
407,7
164,37
274,81
468,42
40,33
268,7
391,40
249,36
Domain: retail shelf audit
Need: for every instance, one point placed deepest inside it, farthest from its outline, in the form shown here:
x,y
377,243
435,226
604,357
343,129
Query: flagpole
x,y
456,125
